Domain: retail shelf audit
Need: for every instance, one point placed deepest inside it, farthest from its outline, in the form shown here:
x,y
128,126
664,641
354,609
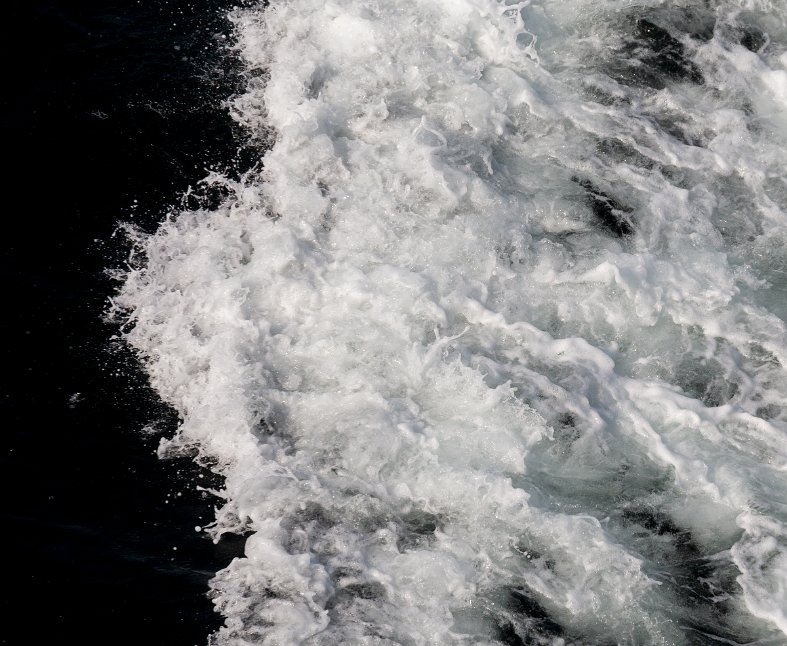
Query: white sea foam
x,y
493,349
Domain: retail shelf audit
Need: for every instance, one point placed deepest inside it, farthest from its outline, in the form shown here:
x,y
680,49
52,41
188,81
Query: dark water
x,y
111,111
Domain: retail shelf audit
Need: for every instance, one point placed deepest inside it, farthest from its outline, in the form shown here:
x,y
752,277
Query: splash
x,y
492,349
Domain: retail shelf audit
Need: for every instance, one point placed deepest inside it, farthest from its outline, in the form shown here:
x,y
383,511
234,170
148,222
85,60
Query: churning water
x,y
490,348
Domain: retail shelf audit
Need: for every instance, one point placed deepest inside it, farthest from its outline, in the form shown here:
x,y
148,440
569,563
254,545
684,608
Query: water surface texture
x,y
490,348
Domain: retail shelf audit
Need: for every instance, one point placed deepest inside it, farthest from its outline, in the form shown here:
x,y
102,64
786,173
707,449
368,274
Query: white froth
x,y
438,384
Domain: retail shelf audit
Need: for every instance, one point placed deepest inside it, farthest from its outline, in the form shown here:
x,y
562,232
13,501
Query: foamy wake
x,y
493,350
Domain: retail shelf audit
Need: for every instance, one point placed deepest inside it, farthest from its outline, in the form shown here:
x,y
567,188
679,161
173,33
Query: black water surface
x,y
106,103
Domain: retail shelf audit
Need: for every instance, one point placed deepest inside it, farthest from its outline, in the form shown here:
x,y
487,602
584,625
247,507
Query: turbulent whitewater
x,y
491,347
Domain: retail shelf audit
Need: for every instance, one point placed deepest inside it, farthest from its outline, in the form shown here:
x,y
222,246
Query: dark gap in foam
x,y
704,590
249,610
610,213
522,602
702,586
769,412
750,30
365,590
350,587
667,57
599,95
506,633
705,379
565,427
676,127
653,57
737,217
700,25
317,82
659,523
619,151
680,177
310,513
519,619
417,529
565,431
306,525
753,39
